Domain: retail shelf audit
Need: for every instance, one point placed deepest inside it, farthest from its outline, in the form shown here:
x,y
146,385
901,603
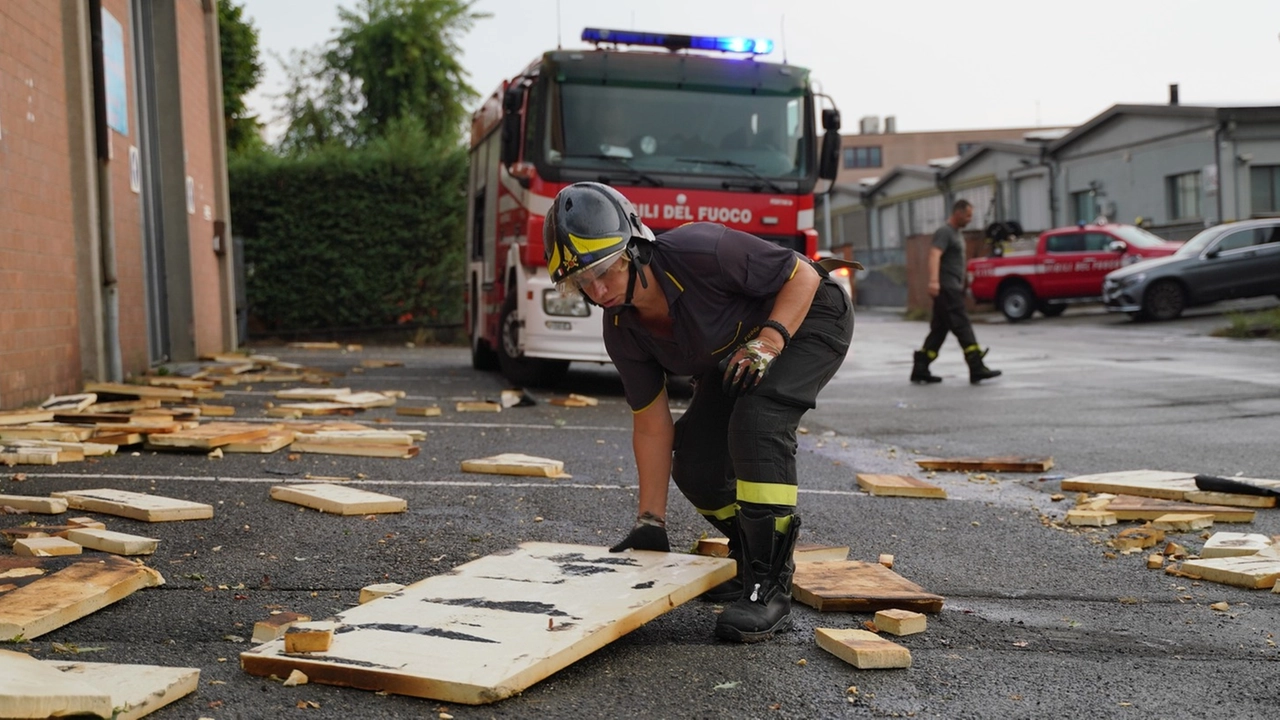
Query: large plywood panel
x,y
493,627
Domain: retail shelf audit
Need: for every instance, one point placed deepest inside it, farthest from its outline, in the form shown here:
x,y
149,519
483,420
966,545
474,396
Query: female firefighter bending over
x,y
760,329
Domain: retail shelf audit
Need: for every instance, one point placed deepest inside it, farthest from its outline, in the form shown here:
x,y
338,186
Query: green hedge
x,y
352,239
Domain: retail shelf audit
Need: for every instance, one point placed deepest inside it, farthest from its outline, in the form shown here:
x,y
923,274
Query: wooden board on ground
x,y
516,464
136,506
1144,483
429,411
33,504
74,403
22,417
135,690
311,408
804,552
988,464
47,431
123,406
863,650
269,443
180,382
374,364
367,400
119,439
138,391
338,499
32,689
15,455
45,547
314,346
853,586
1132,507
210,435
67,452
497,625
1233,544
899,486
1251,571
357,449
900,622
110,541
316,394
356,437
66,590
478,406
216,410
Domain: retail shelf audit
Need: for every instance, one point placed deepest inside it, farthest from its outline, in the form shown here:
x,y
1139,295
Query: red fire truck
x,y
689,128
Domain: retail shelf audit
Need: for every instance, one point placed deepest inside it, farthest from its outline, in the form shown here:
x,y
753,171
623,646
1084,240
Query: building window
x,y
964,148
862,157
1083,208
1265,181
1184,196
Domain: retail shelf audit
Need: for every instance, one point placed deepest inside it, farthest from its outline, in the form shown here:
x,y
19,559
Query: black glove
x,y
644,537
746,366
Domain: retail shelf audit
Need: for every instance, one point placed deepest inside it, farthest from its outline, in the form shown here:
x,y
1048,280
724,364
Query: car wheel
x,y
1165,300
1017,302
519,370
1052,310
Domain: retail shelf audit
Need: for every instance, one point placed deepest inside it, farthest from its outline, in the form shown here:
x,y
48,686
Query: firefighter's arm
x,y
935,263
652,439
792,303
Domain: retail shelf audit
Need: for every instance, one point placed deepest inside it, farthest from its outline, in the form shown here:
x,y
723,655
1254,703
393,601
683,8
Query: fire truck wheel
x,y
1017,302
519,370
1052,310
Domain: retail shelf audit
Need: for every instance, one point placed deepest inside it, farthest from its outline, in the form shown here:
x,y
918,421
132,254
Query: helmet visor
x,y
589,274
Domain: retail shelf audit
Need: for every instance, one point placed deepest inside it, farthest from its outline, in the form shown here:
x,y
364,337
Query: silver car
x,y
1235,260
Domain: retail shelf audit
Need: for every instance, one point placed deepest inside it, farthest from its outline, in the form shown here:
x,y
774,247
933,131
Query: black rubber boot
x,y
978,371
920,371
731,589
767,566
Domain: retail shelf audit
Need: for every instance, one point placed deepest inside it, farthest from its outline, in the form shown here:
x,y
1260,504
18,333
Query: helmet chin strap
x,y
635,268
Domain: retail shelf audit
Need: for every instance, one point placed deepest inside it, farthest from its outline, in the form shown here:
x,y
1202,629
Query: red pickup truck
x,y
1067,265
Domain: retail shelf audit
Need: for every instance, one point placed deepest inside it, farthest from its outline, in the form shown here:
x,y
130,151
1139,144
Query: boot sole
x,y
728,632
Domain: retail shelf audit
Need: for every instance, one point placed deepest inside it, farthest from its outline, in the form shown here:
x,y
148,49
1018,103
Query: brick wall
x,y
39,341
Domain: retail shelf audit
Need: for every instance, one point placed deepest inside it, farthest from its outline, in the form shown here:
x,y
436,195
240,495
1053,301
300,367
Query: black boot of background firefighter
x,y
978,371
767,566
920,370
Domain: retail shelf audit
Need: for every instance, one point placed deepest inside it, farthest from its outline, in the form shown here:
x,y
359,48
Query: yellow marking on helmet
x,y
554,263
583,245
767,493
674,280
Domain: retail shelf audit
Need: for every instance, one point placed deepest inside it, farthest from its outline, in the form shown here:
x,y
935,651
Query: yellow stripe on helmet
x,y
553,265
584,246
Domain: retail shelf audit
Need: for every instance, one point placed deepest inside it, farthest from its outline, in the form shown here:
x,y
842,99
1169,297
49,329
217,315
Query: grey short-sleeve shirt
x,y
952,267
720,285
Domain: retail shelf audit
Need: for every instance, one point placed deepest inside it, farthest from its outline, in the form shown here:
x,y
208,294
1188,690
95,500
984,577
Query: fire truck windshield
x,y
678,132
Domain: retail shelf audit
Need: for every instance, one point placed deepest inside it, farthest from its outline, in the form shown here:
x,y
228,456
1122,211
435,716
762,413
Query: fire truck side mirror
x,y
830,119
829,159
512,102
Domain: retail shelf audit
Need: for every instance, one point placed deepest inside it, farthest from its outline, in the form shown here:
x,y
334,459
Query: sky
x,y
933,65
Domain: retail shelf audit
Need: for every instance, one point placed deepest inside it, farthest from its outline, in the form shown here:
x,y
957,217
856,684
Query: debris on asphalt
x,y
365,443
1137,538
32,504
49,688
989,464
886,560
899,486
1225,544
45,547
1260,570
428,411
517,464
862,649
135,506
1155,561
853,586
373,592
275,626
1165,485
52,592
900,622
306,637
296,678
1182,522
109,541
338,499
1091,518
575,400
478,406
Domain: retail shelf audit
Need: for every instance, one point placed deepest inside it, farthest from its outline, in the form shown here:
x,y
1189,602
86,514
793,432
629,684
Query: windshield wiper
x,y
749,169
639,175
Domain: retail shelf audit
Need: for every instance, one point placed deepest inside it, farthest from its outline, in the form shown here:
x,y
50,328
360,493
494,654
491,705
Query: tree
x,y
241,71
391,59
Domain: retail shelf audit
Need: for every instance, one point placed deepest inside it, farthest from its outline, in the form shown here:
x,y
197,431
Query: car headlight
x,y
555,302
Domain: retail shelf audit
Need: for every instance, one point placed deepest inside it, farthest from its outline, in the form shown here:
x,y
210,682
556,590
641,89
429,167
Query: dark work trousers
x,y
724,443
949,315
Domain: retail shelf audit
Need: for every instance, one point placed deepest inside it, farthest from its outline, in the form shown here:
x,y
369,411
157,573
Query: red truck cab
x,y
1067,266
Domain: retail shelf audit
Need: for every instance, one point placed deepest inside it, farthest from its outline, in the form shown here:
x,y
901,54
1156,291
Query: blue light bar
x,y
752,46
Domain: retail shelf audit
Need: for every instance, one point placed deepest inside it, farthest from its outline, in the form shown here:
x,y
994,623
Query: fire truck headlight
x,y
555,302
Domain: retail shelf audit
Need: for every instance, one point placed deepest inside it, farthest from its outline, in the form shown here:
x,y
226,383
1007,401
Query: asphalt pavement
x,y
1038,621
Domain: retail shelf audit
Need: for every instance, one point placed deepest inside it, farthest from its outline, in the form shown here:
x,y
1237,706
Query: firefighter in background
x,y
759,328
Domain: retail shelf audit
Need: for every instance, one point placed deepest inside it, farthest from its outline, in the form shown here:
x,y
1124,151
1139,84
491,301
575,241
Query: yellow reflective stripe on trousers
x,y
782,525
767,493
723,513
